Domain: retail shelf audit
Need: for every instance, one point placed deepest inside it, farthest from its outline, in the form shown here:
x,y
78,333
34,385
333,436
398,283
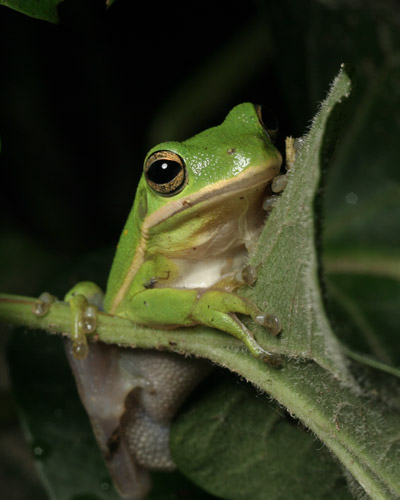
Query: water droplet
x,y
40,450
105,485
351,198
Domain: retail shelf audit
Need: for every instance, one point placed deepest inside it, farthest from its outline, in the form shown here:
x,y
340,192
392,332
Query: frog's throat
x,y
251,178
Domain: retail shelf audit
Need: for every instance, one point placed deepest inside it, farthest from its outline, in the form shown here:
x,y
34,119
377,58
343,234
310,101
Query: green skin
x,y
227,170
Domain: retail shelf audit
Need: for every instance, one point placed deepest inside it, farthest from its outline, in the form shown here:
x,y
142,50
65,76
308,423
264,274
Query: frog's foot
x,y
218,310
85,299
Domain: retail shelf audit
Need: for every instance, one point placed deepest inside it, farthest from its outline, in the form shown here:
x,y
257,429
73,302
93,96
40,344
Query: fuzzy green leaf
x,y
358,420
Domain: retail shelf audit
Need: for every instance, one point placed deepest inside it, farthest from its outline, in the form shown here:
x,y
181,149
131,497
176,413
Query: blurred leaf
x,y
361,231
254,448
41,9
366,314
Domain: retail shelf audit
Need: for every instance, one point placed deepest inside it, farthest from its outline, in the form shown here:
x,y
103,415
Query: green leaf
x,y
40,9
288,283
366,313
361,198
255,448
343,416
362,201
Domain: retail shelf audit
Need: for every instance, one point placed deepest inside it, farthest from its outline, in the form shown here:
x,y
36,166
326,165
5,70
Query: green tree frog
x,y
182,255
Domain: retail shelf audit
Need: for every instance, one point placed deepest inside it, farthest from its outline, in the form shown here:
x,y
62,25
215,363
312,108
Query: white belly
x,y
206,272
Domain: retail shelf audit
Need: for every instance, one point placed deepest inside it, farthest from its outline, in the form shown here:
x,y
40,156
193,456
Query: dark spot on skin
x,y
113,444
150,283
194,248
231,151
241,198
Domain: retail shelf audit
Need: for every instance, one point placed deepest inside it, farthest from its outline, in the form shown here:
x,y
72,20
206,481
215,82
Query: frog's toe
x,y
279,183
260,353
269,203
271,359
84,322
247,275
42,305
80,349
269,321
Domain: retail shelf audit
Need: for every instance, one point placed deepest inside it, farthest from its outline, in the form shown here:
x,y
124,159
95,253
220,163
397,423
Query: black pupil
x,y
163,171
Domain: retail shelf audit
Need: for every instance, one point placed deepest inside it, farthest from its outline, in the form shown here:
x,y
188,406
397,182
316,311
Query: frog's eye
x,y
165,173
268,121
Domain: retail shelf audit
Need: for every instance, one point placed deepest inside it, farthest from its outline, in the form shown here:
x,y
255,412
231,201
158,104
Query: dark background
x,y
78,101
82,101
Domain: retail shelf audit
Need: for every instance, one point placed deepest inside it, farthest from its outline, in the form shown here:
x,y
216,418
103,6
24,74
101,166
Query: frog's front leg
x,y
213,308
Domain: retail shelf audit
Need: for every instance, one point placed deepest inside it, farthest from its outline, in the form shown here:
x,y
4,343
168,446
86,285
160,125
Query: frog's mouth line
x,y
251,178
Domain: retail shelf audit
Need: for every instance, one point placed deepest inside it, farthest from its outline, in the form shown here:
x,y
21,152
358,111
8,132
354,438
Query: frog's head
x,y
203,195
237,153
